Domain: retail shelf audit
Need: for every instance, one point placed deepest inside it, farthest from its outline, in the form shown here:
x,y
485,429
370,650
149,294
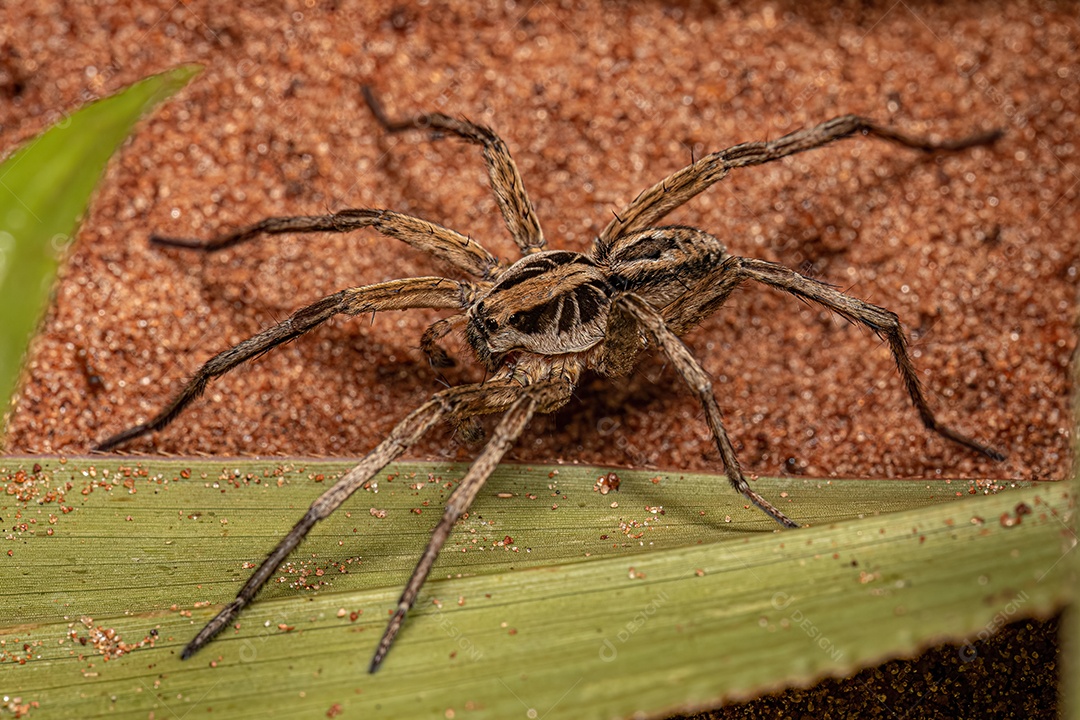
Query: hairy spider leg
x,y
514,203
698,381
676,189
506,434
424,292
712,291
501,393
461,252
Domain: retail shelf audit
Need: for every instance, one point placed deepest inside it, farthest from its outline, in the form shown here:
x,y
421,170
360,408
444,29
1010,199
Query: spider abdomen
x,y
662,263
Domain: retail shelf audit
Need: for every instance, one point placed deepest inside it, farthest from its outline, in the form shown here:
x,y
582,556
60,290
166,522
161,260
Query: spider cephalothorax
x,y
539,323
548,303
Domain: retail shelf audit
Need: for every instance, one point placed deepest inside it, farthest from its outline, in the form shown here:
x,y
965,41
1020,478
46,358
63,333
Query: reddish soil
x,y
976,251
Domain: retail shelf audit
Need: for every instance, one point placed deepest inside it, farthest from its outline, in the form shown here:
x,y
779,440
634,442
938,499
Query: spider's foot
x,y
387,639
188,243
119,439
967,442
212,628
769,509
985,138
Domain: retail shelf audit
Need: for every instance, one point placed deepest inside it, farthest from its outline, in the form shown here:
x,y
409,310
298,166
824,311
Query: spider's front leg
x,y
543,396
499,393
507,432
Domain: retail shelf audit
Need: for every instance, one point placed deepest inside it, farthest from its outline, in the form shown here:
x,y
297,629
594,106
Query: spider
x,y
538,323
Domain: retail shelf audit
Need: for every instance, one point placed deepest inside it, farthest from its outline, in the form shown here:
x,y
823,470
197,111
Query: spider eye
x,y
491,324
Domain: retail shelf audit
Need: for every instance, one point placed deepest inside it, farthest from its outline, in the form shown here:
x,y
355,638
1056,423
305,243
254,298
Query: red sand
x,y
977,251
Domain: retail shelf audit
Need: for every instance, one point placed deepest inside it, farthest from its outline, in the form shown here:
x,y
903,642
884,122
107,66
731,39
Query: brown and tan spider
x,y
537,324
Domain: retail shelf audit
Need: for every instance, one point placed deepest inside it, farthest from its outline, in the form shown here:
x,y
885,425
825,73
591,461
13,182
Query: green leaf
x,y
550,600
1070,630
45,187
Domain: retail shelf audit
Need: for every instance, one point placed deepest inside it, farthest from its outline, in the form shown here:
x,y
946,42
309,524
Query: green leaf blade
x,y
45,187
590,611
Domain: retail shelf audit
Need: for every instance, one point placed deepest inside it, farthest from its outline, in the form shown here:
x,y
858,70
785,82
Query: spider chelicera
x,y
538,323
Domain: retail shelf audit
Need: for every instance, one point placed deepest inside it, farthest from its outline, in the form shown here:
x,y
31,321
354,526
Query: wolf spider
x,y
536,324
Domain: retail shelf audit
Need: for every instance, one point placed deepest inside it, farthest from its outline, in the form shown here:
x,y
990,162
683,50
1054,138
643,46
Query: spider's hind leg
x,y
884,323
